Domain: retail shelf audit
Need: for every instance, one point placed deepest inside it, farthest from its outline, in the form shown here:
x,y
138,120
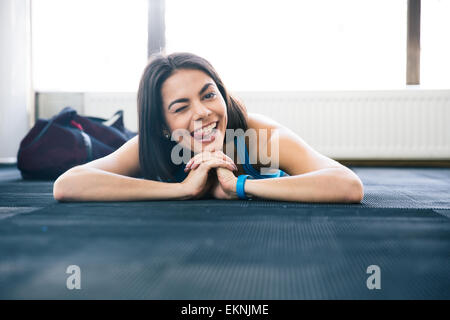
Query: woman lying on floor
x,y
189,126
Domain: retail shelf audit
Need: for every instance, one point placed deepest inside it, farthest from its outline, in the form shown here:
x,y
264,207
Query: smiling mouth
x,y
205,132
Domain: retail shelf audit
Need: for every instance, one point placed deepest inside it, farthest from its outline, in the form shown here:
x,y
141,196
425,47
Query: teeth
x,y
206,130
205,136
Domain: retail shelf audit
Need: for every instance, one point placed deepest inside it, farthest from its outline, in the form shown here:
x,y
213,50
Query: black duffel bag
x,y
55,145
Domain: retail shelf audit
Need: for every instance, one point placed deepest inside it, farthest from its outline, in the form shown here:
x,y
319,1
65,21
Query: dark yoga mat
x,y
210,249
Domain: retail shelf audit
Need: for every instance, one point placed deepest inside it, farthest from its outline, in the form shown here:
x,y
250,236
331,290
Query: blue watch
x,y
240,186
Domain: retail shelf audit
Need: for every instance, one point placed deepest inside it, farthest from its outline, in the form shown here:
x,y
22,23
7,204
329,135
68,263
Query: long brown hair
x,y
154,148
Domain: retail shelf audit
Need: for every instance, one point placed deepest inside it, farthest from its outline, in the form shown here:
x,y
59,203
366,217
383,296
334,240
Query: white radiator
x,y
400,124
410,124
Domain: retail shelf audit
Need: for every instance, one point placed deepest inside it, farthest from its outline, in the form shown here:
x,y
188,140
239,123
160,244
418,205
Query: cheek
x,y
225,117
222,108
179,122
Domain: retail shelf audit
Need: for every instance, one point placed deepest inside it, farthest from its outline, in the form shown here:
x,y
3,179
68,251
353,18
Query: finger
x,y
191,162
202,157
220,153
232,167
199,158
195,162
228,159
215,163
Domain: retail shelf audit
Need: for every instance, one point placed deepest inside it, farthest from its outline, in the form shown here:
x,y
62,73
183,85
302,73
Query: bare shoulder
x,y
265,128
263,125
295,156
259,121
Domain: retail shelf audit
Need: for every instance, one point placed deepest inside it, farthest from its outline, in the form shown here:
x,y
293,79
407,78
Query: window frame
x,y
156,26
413,43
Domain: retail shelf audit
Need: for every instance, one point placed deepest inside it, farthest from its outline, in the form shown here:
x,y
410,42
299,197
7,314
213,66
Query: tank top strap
x,y
245,160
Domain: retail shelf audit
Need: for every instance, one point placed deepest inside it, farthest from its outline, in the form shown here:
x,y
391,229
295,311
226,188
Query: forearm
x,y
90,184
326,185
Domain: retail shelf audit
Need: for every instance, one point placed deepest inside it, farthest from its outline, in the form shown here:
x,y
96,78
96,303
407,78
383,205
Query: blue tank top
x,y
242,153
248,168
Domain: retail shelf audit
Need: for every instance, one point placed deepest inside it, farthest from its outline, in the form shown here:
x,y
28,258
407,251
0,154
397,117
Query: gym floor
x,y
211,249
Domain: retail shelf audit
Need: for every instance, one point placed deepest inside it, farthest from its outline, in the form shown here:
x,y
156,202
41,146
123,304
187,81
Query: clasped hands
x,y
211,173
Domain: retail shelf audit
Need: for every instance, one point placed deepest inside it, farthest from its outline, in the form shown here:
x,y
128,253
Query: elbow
x,y
58,190
351,186
62,186
355,193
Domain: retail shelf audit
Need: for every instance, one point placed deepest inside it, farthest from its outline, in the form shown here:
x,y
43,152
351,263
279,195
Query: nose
x,y
201,111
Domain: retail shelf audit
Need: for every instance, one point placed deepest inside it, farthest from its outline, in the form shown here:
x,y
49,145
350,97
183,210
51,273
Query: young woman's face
x,y
193,104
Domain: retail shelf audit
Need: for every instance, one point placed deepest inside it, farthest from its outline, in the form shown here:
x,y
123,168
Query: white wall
x,y
411,124
15,79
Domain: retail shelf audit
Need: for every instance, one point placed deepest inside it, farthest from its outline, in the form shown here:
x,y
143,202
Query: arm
x,y
313,177
324,185
92,184
113,178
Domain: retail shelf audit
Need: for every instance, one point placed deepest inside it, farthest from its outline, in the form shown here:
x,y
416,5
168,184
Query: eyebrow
x,y
186,99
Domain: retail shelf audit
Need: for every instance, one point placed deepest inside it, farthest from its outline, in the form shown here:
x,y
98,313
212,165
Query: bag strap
x,y
115,121
65,115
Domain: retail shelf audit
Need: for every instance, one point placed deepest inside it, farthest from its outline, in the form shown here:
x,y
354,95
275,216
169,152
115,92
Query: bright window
x,y
294,45
101,45
86,45
435,44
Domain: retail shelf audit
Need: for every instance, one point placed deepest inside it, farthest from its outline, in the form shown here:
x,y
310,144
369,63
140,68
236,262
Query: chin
x,y
216,144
